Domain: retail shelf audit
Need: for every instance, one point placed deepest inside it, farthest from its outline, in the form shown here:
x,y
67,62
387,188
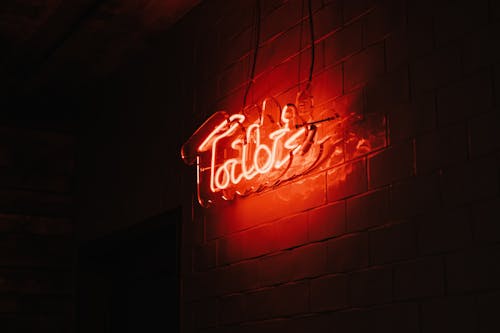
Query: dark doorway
x,y
129,281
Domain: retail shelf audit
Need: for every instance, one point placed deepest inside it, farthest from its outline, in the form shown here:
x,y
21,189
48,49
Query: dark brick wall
x,y
408,241
400,236
36,230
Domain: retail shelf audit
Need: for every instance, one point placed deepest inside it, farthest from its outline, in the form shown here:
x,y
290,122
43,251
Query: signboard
x,y
261,147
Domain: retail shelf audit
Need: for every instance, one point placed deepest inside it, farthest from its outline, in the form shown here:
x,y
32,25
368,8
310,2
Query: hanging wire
x,y
311,28
300,42
256,50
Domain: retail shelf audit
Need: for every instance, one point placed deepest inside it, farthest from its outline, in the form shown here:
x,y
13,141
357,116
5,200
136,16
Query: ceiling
x,y
48,41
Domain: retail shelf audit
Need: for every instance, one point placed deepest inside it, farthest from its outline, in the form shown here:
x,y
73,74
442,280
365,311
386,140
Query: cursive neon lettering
x,y
246,152
255,157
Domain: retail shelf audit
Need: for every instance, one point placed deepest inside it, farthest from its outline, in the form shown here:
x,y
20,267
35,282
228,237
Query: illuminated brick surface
x,y
397,232
399,235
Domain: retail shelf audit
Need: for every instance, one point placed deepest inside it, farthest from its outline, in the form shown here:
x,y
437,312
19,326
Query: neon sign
x,y
260,147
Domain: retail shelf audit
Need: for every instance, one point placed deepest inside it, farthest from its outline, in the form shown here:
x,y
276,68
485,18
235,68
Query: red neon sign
x,y
260,147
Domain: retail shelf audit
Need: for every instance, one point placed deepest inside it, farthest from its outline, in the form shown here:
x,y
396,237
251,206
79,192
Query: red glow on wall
x,y
260,147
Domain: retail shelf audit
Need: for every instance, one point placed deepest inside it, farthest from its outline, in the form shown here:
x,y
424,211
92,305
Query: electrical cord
x,y
311,28
256,50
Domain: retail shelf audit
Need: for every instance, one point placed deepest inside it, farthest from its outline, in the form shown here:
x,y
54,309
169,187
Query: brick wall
x,y
36,231
402,236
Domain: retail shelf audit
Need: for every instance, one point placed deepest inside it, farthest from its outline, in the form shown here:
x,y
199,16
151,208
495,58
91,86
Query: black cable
x,y
256,50
311,27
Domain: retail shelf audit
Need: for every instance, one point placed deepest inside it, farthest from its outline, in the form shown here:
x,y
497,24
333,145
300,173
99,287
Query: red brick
x,y
326,20
486,217
470,182
368,210
306,193
455,314
373,286
397,52
230,249
421,278
435,70
209,67
347,180
304,65
452,21
291,231
387,17
231,309
441,149
267,7
238,47
290,95
365,135
355,8
479,48
259,241
234,76
327,84
409,120
286,233
194,232
233,17
281,19
420,23
308,323
483,132
278,301
207,94
393,243
355,320
205,313
488,312
473,270
364,66
327,221
329,293
205,256
276,51
407,45
231,102
466,98
392,164
347,253
416,196
444,231
343,43
278,80
299,263
235,278
350,105
199,285
400,317
390,90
